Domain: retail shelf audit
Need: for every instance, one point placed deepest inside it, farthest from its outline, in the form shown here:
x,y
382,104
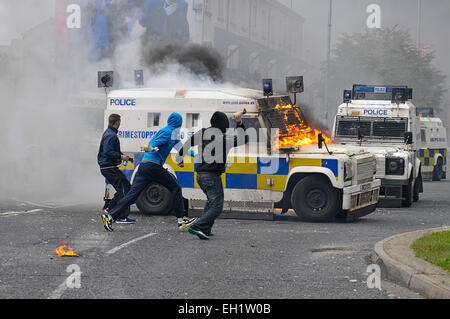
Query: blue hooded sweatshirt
x,y
165,140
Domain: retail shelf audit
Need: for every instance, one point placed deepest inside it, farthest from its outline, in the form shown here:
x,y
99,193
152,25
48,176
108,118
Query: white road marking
x,y
59,291
39,205
22,212
116,249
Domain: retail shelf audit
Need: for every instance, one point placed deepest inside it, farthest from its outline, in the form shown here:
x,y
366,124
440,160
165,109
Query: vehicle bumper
x,y
358,213
358,197
391,192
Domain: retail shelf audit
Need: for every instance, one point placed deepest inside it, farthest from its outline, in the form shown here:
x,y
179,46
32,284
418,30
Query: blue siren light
x,y
267,87
379,92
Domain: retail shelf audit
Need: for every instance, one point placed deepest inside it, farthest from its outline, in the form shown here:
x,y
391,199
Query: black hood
x,y
220,120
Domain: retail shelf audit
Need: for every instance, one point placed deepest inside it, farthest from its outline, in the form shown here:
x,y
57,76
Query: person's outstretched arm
x,y
193,141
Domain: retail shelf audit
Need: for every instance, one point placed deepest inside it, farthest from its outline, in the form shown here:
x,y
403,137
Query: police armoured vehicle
x,y
383,120
319,184
433,149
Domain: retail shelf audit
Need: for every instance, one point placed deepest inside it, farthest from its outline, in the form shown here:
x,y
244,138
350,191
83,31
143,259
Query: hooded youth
x,y
205,138
165,140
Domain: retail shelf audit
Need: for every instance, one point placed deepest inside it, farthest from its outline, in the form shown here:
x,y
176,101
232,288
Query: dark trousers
x,y
120,183
211,185
147,173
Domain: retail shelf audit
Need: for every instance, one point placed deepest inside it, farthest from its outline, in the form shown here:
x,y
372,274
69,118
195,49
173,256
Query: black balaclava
x,y
220,120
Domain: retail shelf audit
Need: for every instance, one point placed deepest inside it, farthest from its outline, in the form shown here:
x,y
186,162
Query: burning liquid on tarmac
x,y
66,253
296,132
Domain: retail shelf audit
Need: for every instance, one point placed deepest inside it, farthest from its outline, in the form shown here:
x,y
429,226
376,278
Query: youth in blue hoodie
x,y
165,140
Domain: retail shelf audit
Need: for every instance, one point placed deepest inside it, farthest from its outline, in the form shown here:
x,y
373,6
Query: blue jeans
x,y
211,185
147,173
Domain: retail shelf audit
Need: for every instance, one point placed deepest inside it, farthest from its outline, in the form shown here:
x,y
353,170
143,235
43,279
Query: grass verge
x,y
434,248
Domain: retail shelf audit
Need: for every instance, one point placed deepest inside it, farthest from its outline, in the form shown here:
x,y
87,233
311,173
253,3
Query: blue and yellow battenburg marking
x,y
427,155
242,172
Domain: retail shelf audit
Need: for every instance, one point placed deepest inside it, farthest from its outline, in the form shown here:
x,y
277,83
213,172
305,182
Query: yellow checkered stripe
x,y
250,172
427,156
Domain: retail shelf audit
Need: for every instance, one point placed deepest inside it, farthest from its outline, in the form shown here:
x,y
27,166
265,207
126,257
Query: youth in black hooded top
x,y
212,140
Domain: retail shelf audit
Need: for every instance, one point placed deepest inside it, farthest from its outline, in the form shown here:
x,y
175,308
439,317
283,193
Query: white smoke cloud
x,y
49,144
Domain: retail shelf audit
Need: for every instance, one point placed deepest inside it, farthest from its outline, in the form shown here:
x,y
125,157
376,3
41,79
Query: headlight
x,y
395,166
348,171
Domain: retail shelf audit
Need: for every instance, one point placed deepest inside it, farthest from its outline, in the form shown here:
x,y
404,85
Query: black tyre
x,y
315,199
155,200
417,187
408,194
438,171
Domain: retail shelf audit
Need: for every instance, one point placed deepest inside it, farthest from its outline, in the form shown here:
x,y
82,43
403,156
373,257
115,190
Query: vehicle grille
x,y
364,199
364,172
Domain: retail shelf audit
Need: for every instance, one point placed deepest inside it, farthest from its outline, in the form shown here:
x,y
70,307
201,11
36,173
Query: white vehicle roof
x,y
225,99
212,93
362,104
431,121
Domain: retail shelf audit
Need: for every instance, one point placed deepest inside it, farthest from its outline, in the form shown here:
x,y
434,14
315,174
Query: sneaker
x,y
199,233
125,221
107,222
187,222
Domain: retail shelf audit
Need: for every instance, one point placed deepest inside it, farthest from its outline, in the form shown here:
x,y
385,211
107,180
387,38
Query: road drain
x,y
332,249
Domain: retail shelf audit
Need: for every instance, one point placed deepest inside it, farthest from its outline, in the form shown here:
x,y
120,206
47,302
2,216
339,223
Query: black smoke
x,y
199,60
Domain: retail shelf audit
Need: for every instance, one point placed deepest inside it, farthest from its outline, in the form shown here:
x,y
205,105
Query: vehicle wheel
x,y
417,187
315,199
155,200
438,171
408,194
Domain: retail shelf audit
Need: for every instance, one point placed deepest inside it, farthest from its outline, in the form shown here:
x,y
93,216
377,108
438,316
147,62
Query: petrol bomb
x,y
243,112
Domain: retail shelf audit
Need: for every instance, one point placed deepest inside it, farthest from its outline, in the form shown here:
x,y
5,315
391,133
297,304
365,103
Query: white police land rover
x,y
383,120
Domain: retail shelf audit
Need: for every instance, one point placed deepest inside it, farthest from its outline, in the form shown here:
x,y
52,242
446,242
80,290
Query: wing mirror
x,y
320,141
408,138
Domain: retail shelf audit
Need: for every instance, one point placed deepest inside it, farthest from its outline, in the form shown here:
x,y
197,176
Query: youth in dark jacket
x,y
213,147
108,158
151,170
